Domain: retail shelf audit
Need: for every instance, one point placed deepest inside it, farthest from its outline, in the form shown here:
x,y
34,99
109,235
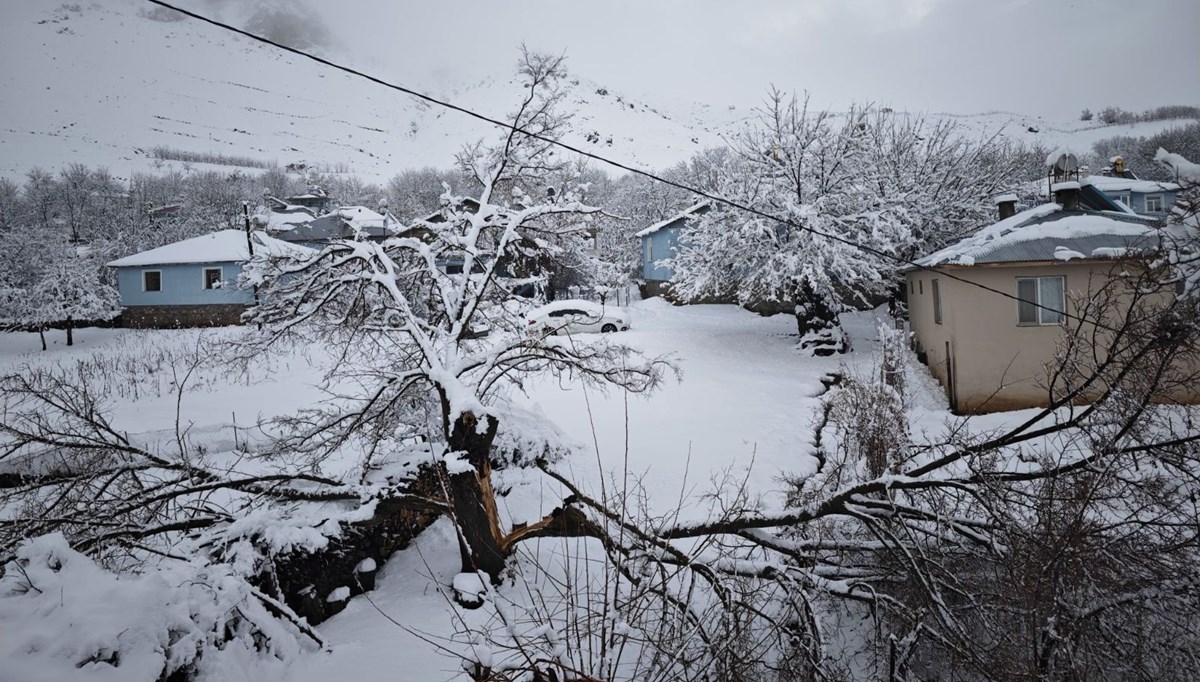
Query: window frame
x,y
937,300
204,277
1126,199
1160,198
147,290
1040,306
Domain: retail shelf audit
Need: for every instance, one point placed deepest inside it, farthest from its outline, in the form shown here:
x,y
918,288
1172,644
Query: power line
x,y
617,164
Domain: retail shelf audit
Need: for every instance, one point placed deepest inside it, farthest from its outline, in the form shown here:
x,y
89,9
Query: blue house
x,y
659,242
194,282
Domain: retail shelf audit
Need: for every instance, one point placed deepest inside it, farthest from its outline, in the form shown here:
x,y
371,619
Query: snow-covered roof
x,y
694,209
1048,233
226,246
344,223
279,220
361,218
1105,183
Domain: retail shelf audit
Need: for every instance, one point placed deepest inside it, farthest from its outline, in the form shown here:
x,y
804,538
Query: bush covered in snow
x,y
64,617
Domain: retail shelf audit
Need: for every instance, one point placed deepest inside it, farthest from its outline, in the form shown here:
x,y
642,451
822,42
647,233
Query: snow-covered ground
x,y
743,407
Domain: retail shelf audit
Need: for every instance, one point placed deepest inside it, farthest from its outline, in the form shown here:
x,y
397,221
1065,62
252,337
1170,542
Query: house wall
x,y
1138,201
182,285
655,247
980,355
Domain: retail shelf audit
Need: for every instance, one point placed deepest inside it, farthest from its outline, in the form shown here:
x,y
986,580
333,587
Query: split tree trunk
x,y
472,497
70,330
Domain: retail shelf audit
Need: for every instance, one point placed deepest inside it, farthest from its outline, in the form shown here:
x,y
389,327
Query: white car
x,y
573,317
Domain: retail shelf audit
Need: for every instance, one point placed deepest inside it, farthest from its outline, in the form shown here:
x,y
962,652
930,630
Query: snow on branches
x,y
851,197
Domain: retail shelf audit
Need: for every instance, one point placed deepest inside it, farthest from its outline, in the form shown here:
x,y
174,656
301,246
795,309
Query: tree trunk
x,y
42,334
817,324
70,334
472,498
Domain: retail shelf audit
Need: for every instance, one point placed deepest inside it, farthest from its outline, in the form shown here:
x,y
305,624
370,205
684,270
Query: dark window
x,y
912,286
937,303
921,284
1042,300
151,280
212,278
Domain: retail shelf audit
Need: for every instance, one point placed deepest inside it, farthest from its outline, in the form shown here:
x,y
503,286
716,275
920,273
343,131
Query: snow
x,y
366,566
360,218
682,214
1105,183
471,588
1063,186
338,594
1005,198
1187,171
1021,227
225,246
1053,157
590,307
1063,253
62,617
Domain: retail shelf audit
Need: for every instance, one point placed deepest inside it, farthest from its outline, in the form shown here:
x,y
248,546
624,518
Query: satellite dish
x,y
1066,163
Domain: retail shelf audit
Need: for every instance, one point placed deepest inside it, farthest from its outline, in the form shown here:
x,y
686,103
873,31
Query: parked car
x,y
573,317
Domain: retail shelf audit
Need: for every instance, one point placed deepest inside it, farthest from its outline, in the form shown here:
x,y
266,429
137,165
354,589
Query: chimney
x,y
1066,194
1007,203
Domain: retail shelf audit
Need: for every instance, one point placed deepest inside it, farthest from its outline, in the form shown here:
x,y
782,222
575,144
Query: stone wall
x,y
175,316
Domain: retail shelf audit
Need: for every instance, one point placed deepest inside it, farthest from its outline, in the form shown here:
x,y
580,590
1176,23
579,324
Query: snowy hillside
x,y
105,85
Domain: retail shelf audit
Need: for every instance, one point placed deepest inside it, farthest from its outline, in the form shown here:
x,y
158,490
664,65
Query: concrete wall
x,y
173,316
987,361
182,284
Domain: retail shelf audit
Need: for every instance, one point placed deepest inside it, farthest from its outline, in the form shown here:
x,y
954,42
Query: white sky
x,y
1044,57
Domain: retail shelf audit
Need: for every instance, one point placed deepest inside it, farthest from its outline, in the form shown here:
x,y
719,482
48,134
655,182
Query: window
x,y
937,302
921,285
151,280
1154,203
1124,199
912,286
212,278
1042,300
650,250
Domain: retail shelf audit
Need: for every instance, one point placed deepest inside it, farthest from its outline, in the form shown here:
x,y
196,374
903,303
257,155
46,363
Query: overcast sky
x,y
1043,57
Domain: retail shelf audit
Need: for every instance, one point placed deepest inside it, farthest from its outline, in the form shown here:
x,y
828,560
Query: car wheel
x,y
609,328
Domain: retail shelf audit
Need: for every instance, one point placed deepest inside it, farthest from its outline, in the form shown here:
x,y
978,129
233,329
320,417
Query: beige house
x,y
988,313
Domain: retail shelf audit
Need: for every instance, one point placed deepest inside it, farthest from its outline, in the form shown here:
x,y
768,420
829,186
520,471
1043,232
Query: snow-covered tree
x,y
841,201
429,328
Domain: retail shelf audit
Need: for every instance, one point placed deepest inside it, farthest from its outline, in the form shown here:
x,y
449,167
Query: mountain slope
x,y
106,85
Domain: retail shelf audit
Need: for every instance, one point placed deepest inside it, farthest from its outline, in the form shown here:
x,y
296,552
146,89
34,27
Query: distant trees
x,y
1086,115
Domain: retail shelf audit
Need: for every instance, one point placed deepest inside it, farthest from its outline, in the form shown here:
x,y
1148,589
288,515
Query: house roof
x,y
1049,233
695,209
343,223
1111,184
226,246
